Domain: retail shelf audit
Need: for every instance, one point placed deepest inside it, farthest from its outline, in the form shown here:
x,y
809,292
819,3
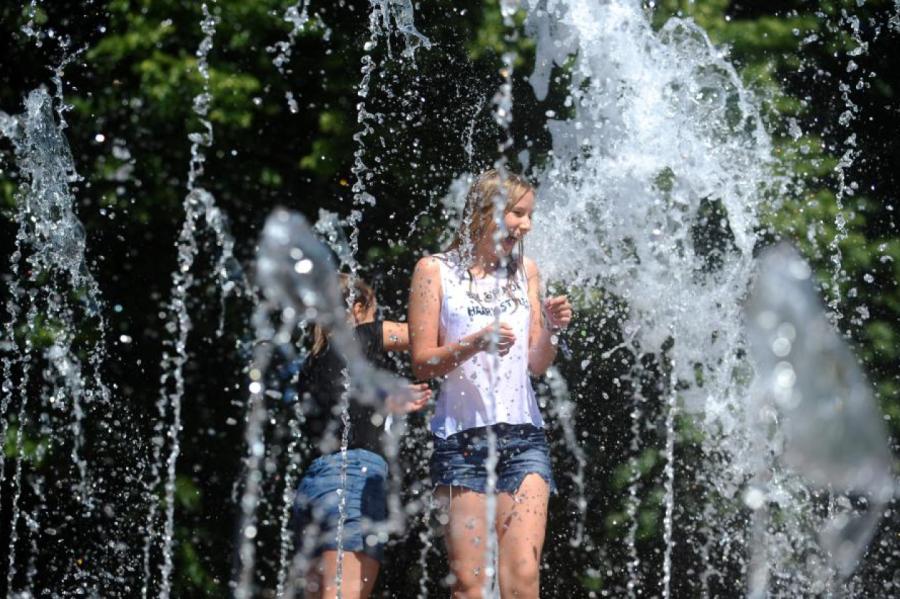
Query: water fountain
x,y
621,143
200,209
65,407
649,211
828,427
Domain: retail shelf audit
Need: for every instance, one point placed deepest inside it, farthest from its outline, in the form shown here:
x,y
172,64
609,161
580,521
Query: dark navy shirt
x,y
322,383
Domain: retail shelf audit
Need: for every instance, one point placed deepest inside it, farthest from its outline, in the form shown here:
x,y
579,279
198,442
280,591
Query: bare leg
x,y
359,574
466,534
521,525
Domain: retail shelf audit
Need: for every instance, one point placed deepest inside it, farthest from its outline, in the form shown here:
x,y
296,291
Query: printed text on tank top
x,y
486,303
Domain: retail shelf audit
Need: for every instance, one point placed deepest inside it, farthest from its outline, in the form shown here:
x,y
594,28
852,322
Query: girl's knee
x,y
468,582
467,593
520,577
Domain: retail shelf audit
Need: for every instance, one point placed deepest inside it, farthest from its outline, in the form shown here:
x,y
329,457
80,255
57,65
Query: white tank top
x,y
485,389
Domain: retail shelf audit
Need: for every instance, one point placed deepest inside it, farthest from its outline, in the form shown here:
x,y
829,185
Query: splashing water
x,y
502,104
288,276
330,229
56,235
20,424
822,420
562,411
427,544
633,502
658,135
291,476
48,228
199,207
845,188
50,246
383,14
30,29
297,15
399,16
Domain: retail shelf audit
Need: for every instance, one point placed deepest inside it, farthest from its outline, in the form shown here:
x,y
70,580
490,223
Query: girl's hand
x,y
557,313
505,338
419,393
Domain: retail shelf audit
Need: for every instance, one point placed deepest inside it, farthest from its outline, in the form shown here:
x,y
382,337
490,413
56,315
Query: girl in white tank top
x,y
477,323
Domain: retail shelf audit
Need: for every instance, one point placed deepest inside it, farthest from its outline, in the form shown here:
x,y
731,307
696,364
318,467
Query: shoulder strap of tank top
x,y
449,268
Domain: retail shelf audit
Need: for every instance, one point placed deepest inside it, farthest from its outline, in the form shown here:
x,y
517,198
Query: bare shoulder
x,y
428,265
427,274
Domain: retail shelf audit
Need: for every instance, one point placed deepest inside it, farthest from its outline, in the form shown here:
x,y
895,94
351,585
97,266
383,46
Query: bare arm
x,y
430,360
395,336
541,348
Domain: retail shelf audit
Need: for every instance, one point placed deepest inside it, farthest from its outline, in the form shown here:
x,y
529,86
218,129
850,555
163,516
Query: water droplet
x,y
303,266
754,498
785,377
781,347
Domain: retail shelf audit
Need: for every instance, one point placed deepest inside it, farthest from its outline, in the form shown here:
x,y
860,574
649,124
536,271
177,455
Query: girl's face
x,y
517,221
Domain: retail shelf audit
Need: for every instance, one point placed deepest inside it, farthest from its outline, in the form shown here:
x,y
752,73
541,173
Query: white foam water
x,y
662,151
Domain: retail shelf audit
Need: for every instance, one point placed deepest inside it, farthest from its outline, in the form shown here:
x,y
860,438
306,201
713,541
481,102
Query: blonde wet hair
x,y
478,212
486,191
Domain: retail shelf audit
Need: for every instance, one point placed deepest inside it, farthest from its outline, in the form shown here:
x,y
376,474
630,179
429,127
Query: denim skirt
x,y
316,509
459,460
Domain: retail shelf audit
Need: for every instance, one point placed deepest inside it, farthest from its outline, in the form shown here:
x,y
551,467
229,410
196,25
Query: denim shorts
x,y
316,509
459,460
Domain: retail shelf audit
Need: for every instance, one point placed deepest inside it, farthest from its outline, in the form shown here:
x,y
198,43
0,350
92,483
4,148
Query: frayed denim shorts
x,y
459,460
316,510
